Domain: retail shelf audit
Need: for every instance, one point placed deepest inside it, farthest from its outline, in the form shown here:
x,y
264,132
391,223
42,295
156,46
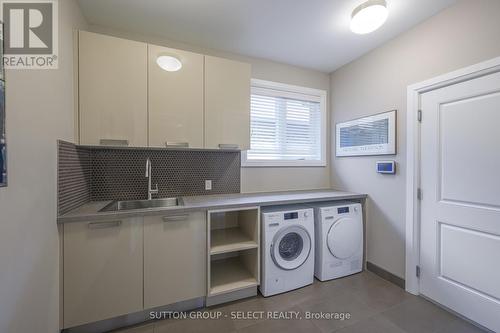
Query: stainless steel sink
x,y
116,206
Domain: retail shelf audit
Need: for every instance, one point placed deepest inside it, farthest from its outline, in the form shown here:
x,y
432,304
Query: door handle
x,y
228,146
170,144
113,142
174,218
103,225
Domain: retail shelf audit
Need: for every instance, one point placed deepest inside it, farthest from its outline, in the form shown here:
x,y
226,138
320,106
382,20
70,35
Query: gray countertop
x,y
90,211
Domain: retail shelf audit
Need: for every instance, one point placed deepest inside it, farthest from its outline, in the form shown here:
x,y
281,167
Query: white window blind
x,y
285,127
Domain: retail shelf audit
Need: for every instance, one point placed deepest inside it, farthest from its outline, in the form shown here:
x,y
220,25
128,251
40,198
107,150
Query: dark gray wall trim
x,y
385,274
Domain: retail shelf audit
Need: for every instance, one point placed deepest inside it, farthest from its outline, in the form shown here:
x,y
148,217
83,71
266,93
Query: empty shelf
x,y
230,240
229,275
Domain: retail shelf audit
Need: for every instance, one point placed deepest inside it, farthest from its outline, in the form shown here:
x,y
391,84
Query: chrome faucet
x,y
151,191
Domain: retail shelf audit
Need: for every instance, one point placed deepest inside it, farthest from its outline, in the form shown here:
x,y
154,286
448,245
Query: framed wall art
x,y
372,135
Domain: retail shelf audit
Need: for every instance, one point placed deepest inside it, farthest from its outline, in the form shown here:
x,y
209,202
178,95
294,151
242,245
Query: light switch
x,y
208,185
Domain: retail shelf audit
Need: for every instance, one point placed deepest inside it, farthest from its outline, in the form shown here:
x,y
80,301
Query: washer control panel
x,y
343,210
289,216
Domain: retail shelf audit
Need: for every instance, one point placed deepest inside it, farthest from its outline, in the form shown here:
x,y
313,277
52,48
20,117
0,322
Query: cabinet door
x,y
113,90
174,258
175,100
103,265
227,103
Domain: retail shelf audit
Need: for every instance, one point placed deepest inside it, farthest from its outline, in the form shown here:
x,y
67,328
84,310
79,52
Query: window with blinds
x,y
287,127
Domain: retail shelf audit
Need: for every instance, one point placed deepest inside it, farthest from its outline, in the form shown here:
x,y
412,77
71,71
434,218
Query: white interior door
x,y
460,208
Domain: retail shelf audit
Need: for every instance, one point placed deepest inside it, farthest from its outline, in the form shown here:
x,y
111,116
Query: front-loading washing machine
x,y
339,239
287,248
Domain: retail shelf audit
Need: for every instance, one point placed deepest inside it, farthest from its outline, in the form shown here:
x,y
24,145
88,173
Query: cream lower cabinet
x,y
227,103
175,100
174,258
103,270
113,88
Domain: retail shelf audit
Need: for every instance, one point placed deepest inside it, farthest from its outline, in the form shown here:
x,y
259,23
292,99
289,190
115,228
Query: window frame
x,y
287,90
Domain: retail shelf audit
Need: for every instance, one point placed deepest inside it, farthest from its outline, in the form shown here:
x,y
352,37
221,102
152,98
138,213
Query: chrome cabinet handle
x,y
171,144
228,146
113,142
174,218
103,225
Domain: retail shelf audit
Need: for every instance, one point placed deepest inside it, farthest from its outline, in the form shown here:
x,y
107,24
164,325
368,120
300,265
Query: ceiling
x,y
307,33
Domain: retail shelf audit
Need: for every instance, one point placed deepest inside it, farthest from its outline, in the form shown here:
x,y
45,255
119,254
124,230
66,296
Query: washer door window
x,y
291,247
344,237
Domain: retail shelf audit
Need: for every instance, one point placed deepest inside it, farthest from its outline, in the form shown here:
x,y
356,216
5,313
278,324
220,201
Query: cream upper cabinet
x,y
103,270
174,258
113,88
125,97
227,103
175,100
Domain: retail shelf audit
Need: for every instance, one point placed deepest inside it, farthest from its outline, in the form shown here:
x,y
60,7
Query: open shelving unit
x,y
233,261
233,273
234,238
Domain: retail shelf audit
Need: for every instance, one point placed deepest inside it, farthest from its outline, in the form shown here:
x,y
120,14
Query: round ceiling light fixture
x,y
169,63
369,16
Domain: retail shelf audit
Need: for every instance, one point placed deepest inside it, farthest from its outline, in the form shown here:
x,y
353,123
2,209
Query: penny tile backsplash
x,y
74,169
101,173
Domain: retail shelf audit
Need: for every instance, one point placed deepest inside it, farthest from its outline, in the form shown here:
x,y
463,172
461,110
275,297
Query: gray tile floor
x,y
374,305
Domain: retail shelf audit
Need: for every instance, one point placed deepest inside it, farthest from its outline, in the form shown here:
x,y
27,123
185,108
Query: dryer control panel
x,y
333,212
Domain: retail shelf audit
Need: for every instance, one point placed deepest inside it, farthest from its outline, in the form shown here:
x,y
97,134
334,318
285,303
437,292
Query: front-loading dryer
x,y
339,239
287,248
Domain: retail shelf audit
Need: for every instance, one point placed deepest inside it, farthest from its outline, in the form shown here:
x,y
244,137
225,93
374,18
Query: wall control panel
x,y
386,167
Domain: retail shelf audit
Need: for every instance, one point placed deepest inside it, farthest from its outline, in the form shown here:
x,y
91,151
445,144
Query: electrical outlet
x,y
208,185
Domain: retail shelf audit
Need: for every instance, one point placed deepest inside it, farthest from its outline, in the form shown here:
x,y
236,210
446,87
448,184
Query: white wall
x,y
259,179
40,110
462,35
